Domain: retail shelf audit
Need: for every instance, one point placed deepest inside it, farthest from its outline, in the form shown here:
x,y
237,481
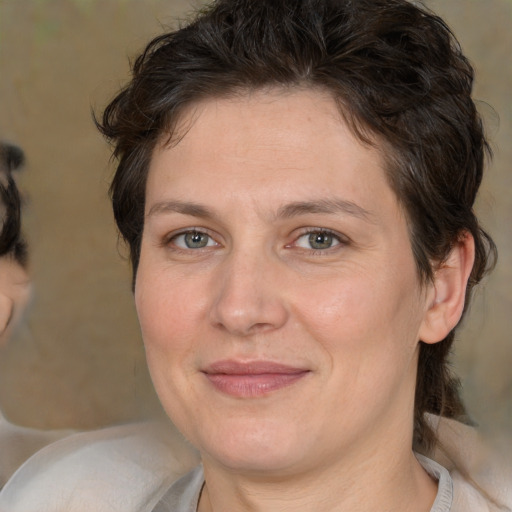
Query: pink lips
x,y
252,379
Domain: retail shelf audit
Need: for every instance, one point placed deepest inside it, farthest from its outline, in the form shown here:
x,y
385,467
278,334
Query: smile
x,y
254,379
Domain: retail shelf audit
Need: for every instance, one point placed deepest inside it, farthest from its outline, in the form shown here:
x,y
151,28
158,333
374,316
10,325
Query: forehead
x,y
275,145
283,110
4,163
11,157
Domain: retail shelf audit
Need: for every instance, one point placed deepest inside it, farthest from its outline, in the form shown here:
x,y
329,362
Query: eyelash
x,y
341,240
170,241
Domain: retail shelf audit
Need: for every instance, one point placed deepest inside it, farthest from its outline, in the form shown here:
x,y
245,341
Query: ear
x,y
446,295
6,306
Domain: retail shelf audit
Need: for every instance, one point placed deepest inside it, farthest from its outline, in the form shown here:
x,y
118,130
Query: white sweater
x,y
132,467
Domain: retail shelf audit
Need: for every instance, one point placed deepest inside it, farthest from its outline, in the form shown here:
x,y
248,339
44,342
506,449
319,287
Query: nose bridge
x,y
248,298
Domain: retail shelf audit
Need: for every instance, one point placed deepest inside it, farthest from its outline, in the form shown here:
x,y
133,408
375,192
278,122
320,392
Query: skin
x,y
14,295
255,175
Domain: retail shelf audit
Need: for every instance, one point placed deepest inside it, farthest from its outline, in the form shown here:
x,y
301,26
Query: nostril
x,y
248,321
243,329
261,327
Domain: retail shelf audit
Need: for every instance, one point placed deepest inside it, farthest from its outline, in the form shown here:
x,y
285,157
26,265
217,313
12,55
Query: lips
x,y
252,379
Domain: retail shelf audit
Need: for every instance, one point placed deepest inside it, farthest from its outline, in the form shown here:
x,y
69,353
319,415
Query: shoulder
x,y
468,498
481,474
183,495
119,468
17,444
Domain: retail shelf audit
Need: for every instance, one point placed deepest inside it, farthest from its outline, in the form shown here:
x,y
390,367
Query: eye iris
x,y
320,240
196,240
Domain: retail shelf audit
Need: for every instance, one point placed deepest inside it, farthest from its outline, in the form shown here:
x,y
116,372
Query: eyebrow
x,y
323,206
185,208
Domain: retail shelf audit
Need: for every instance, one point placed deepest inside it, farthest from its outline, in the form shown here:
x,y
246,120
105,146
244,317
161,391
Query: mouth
x,y
252,379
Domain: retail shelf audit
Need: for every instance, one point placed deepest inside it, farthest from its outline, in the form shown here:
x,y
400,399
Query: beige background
x,y
78,361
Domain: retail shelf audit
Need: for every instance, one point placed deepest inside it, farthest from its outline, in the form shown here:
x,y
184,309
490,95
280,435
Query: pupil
x,y
195,240
320,240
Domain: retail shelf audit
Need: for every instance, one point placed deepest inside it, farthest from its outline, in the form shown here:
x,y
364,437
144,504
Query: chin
x,y
263,460
266,447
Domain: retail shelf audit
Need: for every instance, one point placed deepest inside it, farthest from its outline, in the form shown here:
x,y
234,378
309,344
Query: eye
x,y
318,240
193,240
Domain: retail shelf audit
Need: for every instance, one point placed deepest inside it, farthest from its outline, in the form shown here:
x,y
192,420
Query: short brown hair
x,y
11,239
400,80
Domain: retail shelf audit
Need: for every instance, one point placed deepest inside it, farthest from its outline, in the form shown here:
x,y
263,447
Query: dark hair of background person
x,y
11,240
401,83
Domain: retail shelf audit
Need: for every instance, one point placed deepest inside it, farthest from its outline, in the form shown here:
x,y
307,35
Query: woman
x,y
15,287
16,443
296,183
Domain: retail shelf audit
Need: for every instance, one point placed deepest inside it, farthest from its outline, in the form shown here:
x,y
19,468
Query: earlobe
x,y
6,305
446,295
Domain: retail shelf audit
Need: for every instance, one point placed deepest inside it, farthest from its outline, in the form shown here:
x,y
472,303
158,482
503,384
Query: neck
x,y
371,483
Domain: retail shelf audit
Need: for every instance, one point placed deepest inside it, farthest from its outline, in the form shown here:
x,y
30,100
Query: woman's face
x,y
277,292
14,295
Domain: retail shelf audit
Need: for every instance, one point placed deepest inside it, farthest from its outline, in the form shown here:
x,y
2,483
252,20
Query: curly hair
x,y
399,79
11,239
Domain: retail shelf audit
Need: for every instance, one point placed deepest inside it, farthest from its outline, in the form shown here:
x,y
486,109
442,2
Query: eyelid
x,y
168,239
342,239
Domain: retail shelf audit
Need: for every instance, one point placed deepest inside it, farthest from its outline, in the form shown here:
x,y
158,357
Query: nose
x,y
249,297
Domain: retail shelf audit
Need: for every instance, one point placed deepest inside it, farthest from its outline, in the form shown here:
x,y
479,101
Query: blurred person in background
x,y
16,443
147,445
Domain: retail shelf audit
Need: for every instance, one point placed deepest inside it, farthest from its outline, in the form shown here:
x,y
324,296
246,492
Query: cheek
x,y
170,309
169,316
362,313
